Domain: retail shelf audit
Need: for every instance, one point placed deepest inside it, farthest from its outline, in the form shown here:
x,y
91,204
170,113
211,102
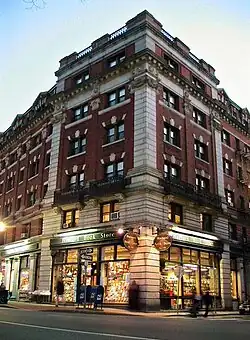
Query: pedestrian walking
x,y
208,302
59,291
133,296
195,305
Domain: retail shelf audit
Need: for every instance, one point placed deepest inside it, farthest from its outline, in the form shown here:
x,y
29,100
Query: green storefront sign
x,y
102,236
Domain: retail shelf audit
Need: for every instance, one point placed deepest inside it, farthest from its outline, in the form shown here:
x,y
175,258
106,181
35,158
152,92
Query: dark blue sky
x,y
33,41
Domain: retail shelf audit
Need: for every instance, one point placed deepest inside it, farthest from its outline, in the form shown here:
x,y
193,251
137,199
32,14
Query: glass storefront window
x,y
72,256
234,283
190,280
122,253
175,254
24,273
115,277
108,253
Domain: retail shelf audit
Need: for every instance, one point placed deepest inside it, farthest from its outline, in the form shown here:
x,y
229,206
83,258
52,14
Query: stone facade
x,y
125,125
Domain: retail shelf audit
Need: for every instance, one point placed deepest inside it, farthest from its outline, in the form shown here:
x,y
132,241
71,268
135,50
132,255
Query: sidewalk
x,y
106,310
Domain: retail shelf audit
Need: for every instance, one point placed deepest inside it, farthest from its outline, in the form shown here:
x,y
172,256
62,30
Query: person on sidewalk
x,y
59,291
208,302
133,296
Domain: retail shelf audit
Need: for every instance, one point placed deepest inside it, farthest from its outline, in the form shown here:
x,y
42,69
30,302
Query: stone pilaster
x,y
225,278
7,274
57,120
145,270
45,265
15,279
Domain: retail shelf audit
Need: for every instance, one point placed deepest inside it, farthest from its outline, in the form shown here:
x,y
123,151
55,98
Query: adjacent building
x,y
136,148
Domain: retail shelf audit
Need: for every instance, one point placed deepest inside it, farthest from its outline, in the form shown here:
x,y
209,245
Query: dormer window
x,y
82,77
171,63
112,62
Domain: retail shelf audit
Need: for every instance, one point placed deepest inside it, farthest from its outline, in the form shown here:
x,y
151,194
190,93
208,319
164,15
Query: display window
x,y
24,274
110,268
234,280
200,274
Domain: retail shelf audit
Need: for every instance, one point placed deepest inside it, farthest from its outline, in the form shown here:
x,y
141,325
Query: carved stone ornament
x,y
95,88
57,210
28,145
95,104
61,106
119,197
112,157
7,160
217,124
58,118
142,81
92,203
188,109
80,206
153,70
138,70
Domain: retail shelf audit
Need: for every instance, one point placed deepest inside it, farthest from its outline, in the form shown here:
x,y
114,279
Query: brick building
x,y
135,148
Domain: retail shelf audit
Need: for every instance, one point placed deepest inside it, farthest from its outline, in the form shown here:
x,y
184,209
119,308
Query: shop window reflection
x,y
175,254
108,253
234,283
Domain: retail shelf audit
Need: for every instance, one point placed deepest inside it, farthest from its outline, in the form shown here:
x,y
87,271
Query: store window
x,y
176,213
200,274
24,278
234,281
37,275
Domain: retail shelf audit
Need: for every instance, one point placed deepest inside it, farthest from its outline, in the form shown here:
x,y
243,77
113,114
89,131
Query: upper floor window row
x,y
201,150
171,63
225,137
77,145
198,83
115,132
171,135
199,117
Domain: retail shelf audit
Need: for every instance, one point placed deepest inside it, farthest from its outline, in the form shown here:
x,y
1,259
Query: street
x,y
34,325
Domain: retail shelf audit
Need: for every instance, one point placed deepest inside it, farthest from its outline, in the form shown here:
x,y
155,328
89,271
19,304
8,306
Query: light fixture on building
x,y
120,231
2,227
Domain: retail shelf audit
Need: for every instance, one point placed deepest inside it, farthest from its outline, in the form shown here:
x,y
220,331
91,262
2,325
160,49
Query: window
x,y
80,112
34,168
202,183
197,83
244,234
76,181
227,167
171,135
199,117
201,150
47,159
13,158
31,198
172,171
232,231
7,209
114,170
242,203
18,203
176,213
229,197
206,222
37,140
71,219
171,63
78,145
50,130
110,211
116,97
45,189
21,175
82,77
237,144
115,132
112,62
240,173
1,188
171,99
225,137
10,183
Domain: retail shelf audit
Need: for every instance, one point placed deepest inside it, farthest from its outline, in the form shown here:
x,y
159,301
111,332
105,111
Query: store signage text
x,y
93,237
192,239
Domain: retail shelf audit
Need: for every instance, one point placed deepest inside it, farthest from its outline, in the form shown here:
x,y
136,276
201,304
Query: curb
x,y
103,312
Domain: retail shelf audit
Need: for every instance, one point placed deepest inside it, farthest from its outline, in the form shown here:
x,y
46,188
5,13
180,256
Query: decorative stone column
x,y
145,270
16,265
45,265
225,278
7,274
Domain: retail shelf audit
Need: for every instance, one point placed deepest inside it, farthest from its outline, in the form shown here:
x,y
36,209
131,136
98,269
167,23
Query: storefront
x,y
20,267
109,266
198,259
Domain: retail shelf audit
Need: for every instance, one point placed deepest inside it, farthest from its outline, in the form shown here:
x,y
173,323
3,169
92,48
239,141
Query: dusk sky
x,y
33,41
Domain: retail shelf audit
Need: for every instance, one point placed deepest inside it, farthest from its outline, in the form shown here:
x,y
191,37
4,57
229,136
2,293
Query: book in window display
x,y
117,282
